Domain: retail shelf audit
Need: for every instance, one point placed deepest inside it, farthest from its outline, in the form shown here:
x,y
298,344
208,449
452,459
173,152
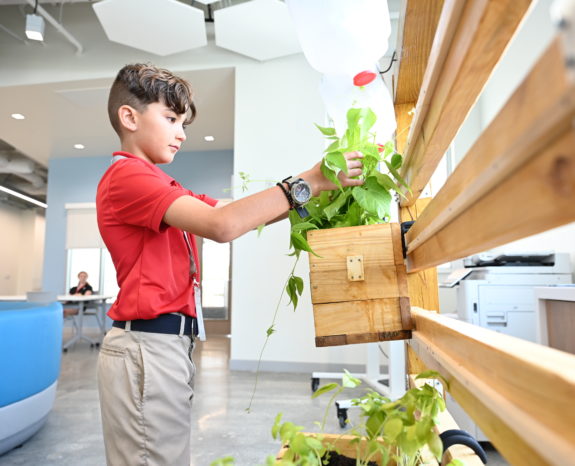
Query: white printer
x,y
496,292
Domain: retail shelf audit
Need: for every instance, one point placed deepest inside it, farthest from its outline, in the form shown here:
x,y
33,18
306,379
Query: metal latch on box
x,y
563,15
355,268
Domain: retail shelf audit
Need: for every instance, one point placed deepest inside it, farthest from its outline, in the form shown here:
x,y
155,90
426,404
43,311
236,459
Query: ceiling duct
x,y
21,173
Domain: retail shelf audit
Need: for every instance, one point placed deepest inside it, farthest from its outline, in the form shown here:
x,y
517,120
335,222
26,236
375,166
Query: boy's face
x,y
159,133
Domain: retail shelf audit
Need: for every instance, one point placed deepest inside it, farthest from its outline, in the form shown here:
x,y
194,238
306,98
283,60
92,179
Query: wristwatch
x,y
298,194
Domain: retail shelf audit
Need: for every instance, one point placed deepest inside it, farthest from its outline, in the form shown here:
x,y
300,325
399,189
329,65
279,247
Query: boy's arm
x,y
226,223
283,216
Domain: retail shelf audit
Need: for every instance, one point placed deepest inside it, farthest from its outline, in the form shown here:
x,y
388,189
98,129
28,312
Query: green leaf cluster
x,y
367,204
302,450
399,429
395,430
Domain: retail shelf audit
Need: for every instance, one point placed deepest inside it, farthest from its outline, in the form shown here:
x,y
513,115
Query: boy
x,y
148,222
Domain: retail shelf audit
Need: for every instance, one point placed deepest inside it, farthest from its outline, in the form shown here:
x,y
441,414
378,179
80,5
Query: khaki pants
x,y
145,382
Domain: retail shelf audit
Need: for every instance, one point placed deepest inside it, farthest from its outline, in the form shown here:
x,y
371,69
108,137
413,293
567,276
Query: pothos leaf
x,y
373,198
261,228
325,130
336,161
432,375
326,388
276,426
436,446
385,181
349,381
304,226
336,204
271,330
299,242
396,161
396,175
330,174
334,146
294,289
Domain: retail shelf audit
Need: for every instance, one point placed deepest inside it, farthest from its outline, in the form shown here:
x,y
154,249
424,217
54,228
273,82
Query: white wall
x,y
21,250
276,105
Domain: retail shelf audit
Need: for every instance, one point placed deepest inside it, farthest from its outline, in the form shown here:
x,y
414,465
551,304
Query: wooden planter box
x,y
359,285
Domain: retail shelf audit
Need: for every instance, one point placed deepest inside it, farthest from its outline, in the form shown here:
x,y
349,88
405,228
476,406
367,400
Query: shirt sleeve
x,y
204,198
140,196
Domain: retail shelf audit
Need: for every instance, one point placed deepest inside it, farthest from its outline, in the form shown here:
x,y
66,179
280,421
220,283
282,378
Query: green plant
x,y
389,431
344,207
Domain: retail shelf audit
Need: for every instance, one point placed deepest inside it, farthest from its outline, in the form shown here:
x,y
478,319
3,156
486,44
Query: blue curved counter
x,y
30,352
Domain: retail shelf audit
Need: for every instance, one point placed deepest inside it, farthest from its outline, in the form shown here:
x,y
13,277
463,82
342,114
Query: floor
x,y
72,435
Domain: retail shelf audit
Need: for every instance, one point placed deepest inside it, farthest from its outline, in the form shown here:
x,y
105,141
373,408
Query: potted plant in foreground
x,y
399,432
357,274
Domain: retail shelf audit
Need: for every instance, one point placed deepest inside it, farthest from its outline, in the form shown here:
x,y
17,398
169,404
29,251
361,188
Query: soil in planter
x,y
335,459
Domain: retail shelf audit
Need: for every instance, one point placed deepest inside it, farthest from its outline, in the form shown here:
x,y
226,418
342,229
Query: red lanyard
x,y
194,272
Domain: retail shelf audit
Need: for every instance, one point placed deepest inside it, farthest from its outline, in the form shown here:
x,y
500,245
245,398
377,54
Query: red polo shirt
x,y
151,258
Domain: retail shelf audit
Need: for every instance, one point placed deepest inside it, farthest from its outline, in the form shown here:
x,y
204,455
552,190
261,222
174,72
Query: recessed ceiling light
x,y
209,138
78,146
17,116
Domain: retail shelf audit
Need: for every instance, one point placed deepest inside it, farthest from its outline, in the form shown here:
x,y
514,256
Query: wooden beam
x,y
535,198
403,115
470,39
422,285
417,25
446,422
515,135
519,393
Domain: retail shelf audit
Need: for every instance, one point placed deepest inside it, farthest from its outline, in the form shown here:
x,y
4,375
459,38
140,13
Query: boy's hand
x,y
319,183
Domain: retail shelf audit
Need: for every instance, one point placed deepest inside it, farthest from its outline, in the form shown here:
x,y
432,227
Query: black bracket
x,y
405,226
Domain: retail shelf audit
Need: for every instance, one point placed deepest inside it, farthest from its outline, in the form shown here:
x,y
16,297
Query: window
x,y
97,263
215,279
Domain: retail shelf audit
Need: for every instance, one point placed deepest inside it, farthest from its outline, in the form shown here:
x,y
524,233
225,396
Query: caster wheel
x,y
91,345
342,417
97,345
314,384
65,350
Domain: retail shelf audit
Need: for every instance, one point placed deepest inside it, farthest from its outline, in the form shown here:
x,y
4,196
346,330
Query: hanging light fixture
x,y
35,25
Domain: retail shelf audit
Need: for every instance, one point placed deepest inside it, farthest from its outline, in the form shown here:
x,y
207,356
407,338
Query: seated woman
x,y
82,288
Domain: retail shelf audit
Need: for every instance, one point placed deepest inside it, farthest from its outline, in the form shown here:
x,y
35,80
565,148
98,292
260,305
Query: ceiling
x,y
63,93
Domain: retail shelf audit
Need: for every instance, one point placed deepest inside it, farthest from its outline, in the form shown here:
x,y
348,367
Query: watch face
x,y
301,192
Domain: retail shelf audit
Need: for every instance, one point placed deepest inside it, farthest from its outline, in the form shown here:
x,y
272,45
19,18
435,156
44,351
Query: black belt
x,y
165,323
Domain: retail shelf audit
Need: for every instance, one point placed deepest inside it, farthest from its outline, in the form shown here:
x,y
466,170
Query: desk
x,y
556,317
82,301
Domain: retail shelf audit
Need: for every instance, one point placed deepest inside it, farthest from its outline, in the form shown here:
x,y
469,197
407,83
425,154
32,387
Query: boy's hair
x,y
141,84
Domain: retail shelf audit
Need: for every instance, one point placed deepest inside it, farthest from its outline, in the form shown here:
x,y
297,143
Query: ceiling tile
x,y
162,27
261,29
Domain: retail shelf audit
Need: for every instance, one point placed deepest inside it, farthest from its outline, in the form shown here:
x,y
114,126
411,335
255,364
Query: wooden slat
x,y
535,198
422,285
417,25
519,393
446,422
470,39
516,134
360,321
